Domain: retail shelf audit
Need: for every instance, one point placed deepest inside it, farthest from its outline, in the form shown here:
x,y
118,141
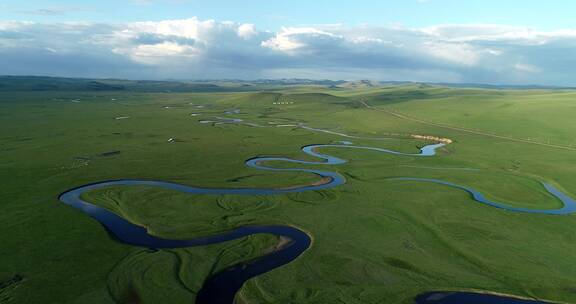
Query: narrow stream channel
x,y
222,287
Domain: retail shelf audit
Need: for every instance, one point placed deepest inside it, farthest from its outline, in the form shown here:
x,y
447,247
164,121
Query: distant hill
x,y
298,81
40,83
43,83
360,84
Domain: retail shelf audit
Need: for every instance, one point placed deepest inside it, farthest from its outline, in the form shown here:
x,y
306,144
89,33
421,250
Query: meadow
x,y
375,240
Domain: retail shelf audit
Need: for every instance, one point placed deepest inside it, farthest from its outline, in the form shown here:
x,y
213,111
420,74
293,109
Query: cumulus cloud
x,y
292,39
194,48
247,30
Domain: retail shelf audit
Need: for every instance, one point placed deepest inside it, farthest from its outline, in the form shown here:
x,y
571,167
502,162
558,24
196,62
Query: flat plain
x,y
375,240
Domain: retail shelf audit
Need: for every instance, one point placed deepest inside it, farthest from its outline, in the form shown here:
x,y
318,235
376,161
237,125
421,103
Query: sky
x,y
497,42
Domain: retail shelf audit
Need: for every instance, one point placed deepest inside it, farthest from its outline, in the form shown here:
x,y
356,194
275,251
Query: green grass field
x,y
374,240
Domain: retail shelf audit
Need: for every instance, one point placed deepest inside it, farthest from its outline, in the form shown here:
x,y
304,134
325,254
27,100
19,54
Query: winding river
x,y
222,287
569,204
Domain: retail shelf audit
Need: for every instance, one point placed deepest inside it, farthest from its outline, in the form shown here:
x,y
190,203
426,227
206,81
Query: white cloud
x,y
290,39
194,48
454,52
189,28
495,33
13,25
247,30
158,53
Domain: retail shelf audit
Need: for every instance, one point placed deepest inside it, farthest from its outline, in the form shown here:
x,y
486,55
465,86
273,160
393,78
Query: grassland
x,y
375,240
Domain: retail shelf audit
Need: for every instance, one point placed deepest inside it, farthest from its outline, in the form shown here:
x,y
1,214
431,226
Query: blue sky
x,y
271,15
514,42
